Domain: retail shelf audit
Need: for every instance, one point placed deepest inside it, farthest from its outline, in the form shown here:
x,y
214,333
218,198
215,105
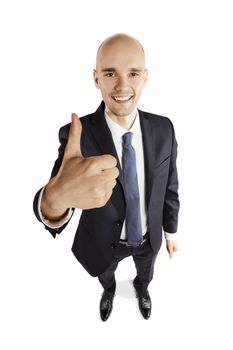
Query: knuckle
x,y
92,164
103,199
111,160
112,184
100,202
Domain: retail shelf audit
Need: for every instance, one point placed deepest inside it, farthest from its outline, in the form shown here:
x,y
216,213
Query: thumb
x,y
73,147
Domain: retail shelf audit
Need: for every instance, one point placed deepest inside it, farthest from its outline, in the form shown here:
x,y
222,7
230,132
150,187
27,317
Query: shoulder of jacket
x,y
64,130
156,118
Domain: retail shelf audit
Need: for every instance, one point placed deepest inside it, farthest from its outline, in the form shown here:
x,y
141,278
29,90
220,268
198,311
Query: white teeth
x,y
121,98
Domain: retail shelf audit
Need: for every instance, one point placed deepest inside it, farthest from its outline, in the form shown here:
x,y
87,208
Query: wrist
x,y
49,205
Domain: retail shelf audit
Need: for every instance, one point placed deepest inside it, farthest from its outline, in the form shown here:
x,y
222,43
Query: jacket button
x,y
114,245
119,223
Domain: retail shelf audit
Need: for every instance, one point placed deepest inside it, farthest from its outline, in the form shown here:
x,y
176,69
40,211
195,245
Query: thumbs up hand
x,y
83,183
73,147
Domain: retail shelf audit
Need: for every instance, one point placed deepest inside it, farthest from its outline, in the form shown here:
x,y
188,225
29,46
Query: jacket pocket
x,y
164,163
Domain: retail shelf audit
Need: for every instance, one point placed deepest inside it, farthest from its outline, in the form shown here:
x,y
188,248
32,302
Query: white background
x,y
48,301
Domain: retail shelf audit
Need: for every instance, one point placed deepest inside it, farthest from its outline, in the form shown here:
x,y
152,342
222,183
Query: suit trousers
x,y
144,258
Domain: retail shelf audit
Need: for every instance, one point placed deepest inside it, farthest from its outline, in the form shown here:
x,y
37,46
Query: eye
x,y
109,74
134,74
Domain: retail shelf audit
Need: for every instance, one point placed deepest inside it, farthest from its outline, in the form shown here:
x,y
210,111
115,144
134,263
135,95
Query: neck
x,y
125,121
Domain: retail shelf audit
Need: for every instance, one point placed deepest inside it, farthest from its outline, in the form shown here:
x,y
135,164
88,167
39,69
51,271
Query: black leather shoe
x,y
144,303
106,305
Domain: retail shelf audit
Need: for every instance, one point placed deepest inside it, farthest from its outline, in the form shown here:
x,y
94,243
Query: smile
x,y
121,98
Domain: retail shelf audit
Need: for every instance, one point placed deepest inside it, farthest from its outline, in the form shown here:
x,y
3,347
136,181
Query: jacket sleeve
x,y
171,201
63,136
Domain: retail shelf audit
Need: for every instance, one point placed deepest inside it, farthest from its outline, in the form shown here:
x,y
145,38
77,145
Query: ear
x,y
96,79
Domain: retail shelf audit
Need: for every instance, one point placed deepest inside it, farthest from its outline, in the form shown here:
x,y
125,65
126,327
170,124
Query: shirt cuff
x,y
52,224
170,236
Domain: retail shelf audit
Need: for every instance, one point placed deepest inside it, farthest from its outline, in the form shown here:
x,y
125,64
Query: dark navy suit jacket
x,y
100,229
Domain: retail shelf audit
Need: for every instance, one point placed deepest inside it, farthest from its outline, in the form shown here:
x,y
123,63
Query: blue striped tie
x,y
133,215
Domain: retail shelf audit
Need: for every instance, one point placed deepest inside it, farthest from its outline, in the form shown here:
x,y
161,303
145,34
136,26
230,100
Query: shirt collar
x,y
117,130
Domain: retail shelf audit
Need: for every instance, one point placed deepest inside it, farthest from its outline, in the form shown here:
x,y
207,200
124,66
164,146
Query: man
x,y
119,166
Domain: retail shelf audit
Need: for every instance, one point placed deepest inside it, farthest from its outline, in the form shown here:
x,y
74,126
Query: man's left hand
x,y
172,247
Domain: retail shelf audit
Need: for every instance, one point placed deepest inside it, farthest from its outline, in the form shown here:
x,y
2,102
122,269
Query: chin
x,y
123,112
123,115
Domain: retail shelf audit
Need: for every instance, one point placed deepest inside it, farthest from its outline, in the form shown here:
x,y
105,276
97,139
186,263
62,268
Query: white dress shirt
x,y
117,132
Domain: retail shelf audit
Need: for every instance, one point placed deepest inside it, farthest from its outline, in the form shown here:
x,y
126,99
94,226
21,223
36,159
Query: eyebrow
x,y
111,69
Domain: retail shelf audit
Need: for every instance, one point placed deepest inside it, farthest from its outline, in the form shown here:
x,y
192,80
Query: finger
x,y
170,249
110,174
105,161
107,176
103,190
97,202
170,252
73,147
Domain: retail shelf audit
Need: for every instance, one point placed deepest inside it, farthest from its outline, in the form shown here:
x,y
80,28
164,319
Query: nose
x,y
121,82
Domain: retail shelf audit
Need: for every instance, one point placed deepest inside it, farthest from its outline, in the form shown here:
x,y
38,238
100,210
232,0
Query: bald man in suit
x,y
92,173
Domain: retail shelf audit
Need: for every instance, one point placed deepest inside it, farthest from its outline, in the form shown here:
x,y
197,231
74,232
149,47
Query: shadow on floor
x,y
125,289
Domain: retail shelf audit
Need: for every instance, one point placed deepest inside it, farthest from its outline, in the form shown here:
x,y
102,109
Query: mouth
x,y
122,99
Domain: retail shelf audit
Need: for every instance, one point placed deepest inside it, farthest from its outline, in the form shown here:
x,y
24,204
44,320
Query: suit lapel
x,y
148,139
103,137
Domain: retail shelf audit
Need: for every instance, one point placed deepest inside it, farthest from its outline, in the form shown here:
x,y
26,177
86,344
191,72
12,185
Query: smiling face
x,y
120,74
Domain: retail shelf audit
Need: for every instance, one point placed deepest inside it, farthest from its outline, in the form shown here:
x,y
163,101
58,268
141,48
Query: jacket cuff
x,y
52,224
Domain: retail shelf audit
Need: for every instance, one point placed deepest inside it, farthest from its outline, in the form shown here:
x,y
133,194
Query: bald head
x,y
121,75
120,43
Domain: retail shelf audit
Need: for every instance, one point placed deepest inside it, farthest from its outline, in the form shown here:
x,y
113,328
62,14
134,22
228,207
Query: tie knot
x,y
127,138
